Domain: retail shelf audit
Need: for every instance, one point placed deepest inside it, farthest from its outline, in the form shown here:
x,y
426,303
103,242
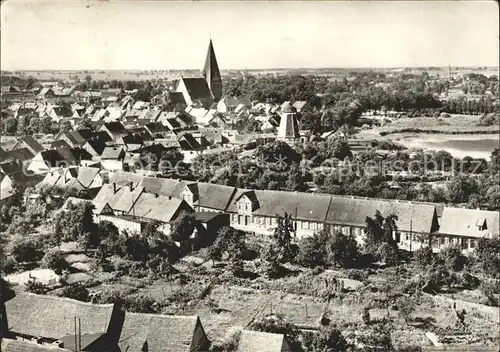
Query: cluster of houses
x,y
42,323
130,199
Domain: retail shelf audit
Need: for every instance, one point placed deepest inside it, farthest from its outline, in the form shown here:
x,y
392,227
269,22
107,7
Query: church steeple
x,y
212,74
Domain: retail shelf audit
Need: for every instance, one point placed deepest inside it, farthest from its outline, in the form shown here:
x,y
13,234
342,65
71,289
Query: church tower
x,y
212,74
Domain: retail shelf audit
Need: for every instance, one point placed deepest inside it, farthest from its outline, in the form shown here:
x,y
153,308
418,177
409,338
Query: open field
x,y
459,135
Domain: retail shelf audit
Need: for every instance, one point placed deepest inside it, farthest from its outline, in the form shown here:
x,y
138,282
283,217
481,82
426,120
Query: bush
x,y
55,260
26,250
37,287
77,292
9,265
327,339
343,250
491,291
453,258
423,256
388,254
312,252
366,316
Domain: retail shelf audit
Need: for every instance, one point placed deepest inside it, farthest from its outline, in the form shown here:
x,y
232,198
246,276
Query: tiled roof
x,y
86,175
53,317
257,341
197,88
32,143
154,207
112,153
21,154
160,333
9,345
467,222
215,196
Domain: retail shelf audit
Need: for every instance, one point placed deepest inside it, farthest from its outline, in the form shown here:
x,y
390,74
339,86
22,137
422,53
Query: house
x,y
46,92
72,138
115,130
112,157
258,341
162,333
129,208
12,172
12,345
157,130
55,158
227,104
95,146
50,320
300,105
464,227
23,155
30,143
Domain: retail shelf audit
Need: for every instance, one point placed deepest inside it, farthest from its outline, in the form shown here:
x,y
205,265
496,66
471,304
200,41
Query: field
x,y
460,135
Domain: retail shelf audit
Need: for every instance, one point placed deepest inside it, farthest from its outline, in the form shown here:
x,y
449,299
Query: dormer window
x,y
481,224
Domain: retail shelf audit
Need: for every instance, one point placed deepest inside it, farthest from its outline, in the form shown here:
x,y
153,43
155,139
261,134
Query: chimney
x,y
114,187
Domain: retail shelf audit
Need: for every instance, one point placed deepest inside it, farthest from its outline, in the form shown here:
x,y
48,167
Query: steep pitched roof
x,y
160,333
197,88
21,154
214,196
469,222
53,317
31,142
112,153
211,69
154,207
9,345
86,175
257,341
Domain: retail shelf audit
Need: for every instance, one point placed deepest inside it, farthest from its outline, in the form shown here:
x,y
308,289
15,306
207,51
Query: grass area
x,y
456,124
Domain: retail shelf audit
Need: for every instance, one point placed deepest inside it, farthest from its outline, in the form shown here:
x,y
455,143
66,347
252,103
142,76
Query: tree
x,y
55,260
26,249
406,306
163,247
88,79
10,126
109,235
487,255
328,339
312,250
453,258
65,125
277,324
343,250
270,259
230,242
388,254
76,291
182,227
283,237
423,256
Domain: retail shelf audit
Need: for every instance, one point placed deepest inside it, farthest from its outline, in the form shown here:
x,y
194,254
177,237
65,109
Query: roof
x,y
205,216
86,175
21,154
161,333
53,317
257,341
466,222
113,153
197,88
286,107
153,207
97,144
215,196
31,142
416,217
9,345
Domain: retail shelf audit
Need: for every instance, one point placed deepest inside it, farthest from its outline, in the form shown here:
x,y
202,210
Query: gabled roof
x,y
154,207
160,333
188,142
258,341
9,345
31,142
215,196
197,88
53,317
86,175
97,144
467,222
112,153
21,154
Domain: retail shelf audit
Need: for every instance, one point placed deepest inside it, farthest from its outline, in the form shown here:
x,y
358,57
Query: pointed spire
x,y
211,72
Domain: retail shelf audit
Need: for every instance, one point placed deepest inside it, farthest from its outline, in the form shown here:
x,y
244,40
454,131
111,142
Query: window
x,y
246,206
472,243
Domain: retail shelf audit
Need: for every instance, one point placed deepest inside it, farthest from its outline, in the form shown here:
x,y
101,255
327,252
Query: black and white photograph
x,y
249,176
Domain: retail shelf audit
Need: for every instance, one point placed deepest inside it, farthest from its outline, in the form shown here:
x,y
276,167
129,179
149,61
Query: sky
x,y
156,35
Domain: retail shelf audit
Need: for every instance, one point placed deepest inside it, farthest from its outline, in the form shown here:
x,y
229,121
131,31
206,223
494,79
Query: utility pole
x,y
411,233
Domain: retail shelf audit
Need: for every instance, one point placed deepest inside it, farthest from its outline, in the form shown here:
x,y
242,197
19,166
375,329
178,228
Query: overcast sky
x,y
172,35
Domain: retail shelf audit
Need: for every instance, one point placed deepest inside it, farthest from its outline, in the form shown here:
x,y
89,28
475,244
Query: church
x,y
206,90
